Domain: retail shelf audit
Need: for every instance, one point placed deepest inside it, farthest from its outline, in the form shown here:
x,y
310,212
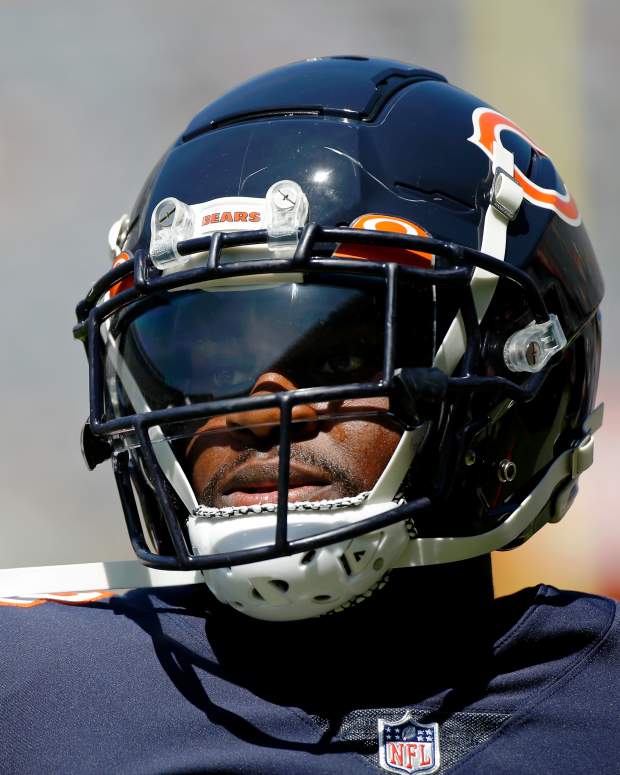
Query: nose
x,y
262,422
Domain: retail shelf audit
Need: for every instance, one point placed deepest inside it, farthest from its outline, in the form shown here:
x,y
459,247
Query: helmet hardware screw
x,y
532,353
470,457
506,471
167,216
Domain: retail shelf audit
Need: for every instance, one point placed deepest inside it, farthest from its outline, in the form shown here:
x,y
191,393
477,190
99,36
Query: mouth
x,y
257,483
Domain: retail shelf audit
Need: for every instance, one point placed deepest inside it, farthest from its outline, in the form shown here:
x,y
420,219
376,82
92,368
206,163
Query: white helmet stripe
x,y
483,283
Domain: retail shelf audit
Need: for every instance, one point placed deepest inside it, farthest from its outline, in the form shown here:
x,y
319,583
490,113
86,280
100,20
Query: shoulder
x,y
132,684
546,611
579,615
24,620
570,630
567,649
82,627
65,663
556,684
591,625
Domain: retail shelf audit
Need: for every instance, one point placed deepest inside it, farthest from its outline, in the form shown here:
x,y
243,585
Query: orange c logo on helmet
x,y
392,223
488,126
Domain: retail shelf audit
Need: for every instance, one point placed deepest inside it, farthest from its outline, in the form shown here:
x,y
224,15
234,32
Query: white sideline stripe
x,y
90,576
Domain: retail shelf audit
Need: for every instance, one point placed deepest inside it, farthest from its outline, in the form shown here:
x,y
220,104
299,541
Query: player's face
x,y
338,449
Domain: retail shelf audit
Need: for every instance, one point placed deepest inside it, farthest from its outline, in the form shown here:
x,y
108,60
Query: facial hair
x,y
346,481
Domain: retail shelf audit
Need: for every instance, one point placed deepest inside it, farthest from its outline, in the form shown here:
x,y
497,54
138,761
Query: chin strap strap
x,y
558,487
506,199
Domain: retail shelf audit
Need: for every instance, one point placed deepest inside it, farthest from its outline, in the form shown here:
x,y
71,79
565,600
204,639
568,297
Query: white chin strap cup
x,y
319,581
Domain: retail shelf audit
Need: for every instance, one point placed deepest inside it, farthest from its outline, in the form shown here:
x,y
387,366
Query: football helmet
x,y
342,246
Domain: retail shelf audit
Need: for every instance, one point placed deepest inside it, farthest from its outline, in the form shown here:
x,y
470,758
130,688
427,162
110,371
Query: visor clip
x,y
286,213
172,221
95,449
530,348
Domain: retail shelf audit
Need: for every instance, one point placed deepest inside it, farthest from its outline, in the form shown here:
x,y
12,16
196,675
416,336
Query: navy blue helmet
x,y
352,325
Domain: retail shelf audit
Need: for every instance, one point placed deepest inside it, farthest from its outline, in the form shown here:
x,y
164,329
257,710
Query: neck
x,y
423,628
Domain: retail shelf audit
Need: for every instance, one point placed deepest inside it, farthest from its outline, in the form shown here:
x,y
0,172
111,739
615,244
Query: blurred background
x,y
91,95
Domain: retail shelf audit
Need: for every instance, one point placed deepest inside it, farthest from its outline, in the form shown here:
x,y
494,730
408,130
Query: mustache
x,y
348,482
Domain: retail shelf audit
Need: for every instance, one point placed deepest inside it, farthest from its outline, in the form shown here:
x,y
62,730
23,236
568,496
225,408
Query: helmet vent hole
x,y
279,584
345,564
238,604
308,557
322,598
256,594
378,563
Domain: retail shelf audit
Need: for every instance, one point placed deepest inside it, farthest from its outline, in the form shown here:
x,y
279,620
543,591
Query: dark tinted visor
x,y
203,344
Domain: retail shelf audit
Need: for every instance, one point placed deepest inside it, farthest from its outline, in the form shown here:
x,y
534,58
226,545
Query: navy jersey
x,y
153,682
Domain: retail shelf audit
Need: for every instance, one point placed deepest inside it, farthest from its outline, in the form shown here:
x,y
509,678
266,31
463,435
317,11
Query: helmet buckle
x,y
506,194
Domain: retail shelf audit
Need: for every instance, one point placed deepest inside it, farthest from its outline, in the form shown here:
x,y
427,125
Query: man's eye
x,y
342,364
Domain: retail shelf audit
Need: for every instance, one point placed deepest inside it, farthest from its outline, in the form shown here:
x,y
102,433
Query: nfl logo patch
x,y
406,746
